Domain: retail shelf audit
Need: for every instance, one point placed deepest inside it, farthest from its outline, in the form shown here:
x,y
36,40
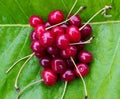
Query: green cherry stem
x,y
103,11
16,81
86,94
85,42
11,67
81,8
64,90
29,85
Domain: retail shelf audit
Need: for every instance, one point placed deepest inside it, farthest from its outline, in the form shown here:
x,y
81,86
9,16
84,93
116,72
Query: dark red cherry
x,y
53,50
68,75
58,65
86,31
83,69
62,41
73,33
64,26
85,57
80,47
46,39
45,62
35,20
56,16
39,30
33,36
39,55
36,47
75,20
49,77
69,52
47,24
57,30
69,64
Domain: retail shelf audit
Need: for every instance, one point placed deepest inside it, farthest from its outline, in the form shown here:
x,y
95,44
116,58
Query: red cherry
x,y
68,75
64,26
85,57
36,47
35,20
47,24
62,41
73,33
75,20
45,62
86,31
56,16
49,77
33,36
83,69
39,55
57,30
46,39
58,65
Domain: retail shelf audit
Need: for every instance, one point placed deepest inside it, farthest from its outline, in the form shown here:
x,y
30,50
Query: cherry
x,y
53,50
49,77
39,30
83,69
47,24
80,46
58,65
85,57
62,41
73,33
56,16
64,26
86,31
33,36
68,75
46,39
69,52
39,55
75,20
45,62
69,63
57,30
35,20
36,47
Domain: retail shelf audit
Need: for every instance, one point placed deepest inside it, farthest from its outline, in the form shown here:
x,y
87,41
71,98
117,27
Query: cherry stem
x,y
65,86
103,11
72,8
16,81
85,42
11,67
81,8
86,94
29,85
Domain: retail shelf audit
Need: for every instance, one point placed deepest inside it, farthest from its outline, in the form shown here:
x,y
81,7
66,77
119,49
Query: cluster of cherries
x,y
55,45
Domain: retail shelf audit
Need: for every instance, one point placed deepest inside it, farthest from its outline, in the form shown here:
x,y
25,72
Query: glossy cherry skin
x,y
83,69
57,31
62,41
45,62
56,16
69,52
75,20
53,50
46,39
39,30
36,47
86,31
73,33
85,57
35,20
33,36
47,24
68,75
64,26
58,65
49,77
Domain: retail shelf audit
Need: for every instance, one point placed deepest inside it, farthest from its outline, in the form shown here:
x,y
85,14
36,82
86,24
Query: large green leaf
x,y
103,79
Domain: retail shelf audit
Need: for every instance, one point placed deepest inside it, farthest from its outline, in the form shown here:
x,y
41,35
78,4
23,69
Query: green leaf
x,y
103,79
